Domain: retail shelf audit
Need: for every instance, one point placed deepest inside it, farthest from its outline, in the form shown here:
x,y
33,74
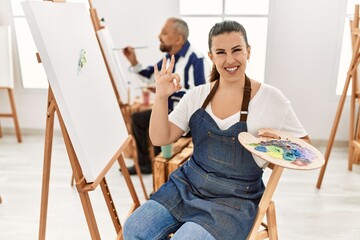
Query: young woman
x,y
215,194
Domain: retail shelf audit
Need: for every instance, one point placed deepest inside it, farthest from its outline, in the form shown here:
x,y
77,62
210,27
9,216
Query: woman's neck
x,y
231,85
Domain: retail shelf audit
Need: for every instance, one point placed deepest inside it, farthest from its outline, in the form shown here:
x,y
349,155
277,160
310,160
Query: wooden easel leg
x,y
14,115
131,188
1,134
353,66
110,204
72,180
129,183
333,132
355,150
80,182
120,236
89,214
46,167
126,112
137,167
354,130
352,125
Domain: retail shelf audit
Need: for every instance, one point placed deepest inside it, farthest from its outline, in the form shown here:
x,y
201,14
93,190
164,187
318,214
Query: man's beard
x,y
164,48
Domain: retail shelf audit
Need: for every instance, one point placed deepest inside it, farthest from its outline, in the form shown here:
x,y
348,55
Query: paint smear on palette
x,y
286,150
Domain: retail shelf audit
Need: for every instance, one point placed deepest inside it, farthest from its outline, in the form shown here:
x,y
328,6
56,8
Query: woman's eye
x,y
237,50
220,52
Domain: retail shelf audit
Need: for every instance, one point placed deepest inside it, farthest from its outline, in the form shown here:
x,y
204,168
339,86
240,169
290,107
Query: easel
x,y
125,108
8,86
12,114
354,140
82,186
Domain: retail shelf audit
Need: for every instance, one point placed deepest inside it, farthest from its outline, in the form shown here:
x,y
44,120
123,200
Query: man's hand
x,y
129,53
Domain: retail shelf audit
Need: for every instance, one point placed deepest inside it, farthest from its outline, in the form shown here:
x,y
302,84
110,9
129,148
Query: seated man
x,y
189,64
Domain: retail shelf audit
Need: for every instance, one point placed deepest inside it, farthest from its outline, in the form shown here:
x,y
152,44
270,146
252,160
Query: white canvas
x,y
84,94
114,64
6,61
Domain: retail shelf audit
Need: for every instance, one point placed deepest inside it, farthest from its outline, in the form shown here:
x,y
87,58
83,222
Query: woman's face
x,y
229,54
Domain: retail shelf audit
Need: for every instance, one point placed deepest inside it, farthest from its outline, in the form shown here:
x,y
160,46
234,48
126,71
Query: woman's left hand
x,y
166,82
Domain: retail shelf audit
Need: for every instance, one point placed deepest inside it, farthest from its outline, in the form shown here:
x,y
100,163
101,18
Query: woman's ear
x,y
210,56
248,49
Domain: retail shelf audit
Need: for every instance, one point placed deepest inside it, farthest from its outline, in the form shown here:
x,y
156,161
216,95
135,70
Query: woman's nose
x,y
230,58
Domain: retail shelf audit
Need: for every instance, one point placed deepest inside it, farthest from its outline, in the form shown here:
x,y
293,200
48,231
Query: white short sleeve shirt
x,y
269,108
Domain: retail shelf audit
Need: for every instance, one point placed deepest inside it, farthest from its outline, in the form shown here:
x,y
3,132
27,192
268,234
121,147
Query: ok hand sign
x,y
166,82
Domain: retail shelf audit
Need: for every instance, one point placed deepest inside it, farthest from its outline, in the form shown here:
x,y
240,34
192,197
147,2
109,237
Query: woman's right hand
x,y
166,82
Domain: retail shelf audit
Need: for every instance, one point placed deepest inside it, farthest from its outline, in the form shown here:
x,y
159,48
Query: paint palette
x,y
282,149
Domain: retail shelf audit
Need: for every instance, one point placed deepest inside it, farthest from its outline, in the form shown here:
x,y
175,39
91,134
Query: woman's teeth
x,y
231,69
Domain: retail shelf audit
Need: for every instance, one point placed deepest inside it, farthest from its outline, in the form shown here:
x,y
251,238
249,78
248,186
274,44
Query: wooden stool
x,y
181,151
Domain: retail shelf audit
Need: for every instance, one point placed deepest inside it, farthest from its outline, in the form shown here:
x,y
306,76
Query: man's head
x,y
173,35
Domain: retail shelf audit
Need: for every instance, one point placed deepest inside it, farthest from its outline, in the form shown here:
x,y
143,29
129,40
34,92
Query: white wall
x,y
302,58
303,54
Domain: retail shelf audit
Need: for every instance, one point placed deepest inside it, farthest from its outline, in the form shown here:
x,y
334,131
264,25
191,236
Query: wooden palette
x,y
310,158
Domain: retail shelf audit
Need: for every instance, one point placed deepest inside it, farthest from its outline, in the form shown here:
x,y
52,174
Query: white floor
x,y
303,212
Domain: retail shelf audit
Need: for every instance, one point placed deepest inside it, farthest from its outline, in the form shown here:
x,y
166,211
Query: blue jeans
x,y
152,221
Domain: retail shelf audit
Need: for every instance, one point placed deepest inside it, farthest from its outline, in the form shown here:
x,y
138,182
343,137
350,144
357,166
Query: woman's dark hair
x,y
221,28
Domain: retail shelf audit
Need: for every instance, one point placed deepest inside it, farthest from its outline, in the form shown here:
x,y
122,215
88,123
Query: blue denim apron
x,y
221,185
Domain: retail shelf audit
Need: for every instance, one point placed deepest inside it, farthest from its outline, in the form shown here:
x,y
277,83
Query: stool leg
x,y
271,221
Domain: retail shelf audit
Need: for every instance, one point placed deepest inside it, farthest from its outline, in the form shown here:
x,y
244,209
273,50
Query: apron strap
x,y
245,102
211,94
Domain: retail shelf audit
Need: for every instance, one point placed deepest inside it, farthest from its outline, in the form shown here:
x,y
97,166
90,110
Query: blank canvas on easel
x,y
79,80
6,67
114,63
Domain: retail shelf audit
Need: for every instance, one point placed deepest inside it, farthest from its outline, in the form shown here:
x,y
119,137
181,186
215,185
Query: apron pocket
x,y
221,149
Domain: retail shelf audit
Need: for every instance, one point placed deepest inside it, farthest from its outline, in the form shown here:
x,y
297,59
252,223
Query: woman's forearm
x,y
159,130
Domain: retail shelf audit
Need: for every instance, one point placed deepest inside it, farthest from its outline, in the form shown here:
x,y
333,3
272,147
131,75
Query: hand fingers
x,y
163,66
156,70
168,70
128,49
177,87
175,79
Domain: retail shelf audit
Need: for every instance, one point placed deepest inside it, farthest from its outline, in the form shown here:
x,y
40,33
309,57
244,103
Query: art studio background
x,y
301,51
302,47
